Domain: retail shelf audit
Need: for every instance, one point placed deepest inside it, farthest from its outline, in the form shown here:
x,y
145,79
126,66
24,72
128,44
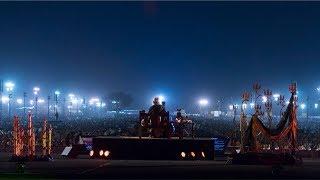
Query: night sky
x,y
185,50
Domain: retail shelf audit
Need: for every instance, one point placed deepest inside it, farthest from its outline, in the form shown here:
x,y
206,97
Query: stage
x,y
127,169
145,148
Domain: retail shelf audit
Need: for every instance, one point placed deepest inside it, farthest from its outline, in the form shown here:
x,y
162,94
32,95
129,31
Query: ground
x,y
101,169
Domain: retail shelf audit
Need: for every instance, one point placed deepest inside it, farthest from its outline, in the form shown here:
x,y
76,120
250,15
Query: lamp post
x,y
203,103
9,87
48,113
1,92
36,92
24,105
56,95
72,101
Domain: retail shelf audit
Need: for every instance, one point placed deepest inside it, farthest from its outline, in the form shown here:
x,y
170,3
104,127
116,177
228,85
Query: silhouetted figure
x,y
157,114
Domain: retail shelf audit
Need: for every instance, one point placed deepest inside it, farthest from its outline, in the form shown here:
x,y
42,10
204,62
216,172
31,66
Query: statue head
x,y
156,101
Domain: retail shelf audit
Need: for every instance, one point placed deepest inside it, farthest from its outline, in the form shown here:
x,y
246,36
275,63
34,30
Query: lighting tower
x,y
9,87
24,105
48,115
56,95
203,103
36,92
1,92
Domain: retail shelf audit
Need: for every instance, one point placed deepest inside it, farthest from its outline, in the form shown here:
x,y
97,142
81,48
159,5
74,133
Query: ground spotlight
x,y
203,154
91,153
101,152
106,153
183,154
193,154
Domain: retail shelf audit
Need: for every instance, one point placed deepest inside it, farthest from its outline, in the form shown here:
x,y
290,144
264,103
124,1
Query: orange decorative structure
x,y
286,128
49,140
16,137
20,140
30,137
44,138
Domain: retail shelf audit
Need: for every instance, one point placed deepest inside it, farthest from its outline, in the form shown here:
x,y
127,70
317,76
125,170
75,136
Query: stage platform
x,y
145,148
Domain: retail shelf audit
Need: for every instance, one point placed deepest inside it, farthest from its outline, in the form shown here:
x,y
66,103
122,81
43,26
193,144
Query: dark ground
x,y
114,169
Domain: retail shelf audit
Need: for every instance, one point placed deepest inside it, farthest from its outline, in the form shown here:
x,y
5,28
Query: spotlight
x,y
203,102
193,154
91,153
9,86
57,92
19,101
36,90
183,154
101,152
106,153
203,155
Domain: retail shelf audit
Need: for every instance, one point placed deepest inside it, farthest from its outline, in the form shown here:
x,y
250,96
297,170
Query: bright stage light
x,y
193,154
161,98
74,101
203,102
40,100
57,92
264,99
183,154
303,106
36,90
71,95
203,155
93,101
31,102
101,152
19,101
106,153
276,97
316,106
9,86
5,99
91,153
230,107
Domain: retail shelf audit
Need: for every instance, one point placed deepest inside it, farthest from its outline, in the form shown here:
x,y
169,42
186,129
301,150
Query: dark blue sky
x,y
182,49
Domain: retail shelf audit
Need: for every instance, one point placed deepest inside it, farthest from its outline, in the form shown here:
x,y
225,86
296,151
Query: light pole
x,y
9,87
36,92
72,100
1,92
56,95
24,105
19,102
48,113
203,103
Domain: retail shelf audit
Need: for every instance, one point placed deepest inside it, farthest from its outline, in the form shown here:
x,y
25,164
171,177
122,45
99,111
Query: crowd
x,y
65,132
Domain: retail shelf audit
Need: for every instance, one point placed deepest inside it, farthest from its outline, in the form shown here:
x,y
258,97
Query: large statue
x,y
157,119
181,123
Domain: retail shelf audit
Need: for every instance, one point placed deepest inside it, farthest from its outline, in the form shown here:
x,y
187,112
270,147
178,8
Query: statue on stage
x,y
156,120
181,123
